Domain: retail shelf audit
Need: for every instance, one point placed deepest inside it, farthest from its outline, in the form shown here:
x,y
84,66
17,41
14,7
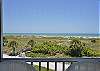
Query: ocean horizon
x,y
53,34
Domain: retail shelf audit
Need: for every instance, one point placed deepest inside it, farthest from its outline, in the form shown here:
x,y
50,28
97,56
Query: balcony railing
x,y
55,60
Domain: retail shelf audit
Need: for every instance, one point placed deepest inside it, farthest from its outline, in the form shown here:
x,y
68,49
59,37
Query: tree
x,y
31,43
5,41
14,45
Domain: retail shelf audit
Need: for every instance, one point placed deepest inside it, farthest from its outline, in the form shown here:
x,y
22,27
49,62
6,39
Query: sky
x,y
99,17
51,16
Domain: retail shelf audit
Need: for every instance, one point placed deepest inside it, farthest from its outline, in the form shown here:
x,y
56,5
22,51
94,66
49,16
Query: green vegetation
x,y
31,43
52,46
75,49
14,45
5,41
78,49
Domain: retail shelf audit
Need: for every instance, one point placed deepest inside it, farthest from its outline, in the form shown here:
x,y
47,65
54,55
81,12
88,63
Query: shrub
x,y
31,43
14,45
5,41
75,49
88,52
93,40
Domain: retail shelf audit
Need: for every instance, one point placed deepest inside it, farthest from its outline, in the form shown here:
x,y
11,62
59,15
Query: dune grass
x,y
49,46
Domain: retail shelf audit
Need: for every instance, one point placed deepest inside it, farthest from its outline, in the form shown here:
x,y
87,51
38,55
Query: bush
x,y
75,49
14,45
39,49
93,40
78,49
88,52
31,43
5,41
49,48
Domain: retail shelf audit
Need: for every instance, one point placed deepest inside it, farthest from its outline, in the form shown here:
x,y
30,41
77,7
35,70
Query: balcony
x,y
59,64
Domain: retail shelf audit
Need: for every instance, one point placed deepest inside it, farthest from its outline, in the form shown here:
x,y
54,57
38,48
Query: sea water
x,y
53,34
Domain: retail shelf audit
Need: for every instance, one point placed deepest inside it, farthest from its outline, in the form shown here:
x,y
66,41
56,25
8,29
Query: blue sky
x,y
99,16
51,16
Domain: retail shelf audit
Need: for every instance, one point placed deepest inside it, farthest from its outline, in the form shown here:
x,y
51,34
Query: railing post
x,y
47,66
63,66
1,29
32,63
39,66
55,66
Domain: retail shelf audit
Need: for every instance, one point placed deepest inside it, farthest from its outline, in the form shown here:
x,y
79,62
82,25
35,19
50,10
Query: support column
x,y
1,29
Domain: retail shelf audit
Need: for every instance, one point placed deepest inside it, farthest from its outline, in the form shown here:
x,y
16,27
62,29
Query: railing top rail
x,y
55,59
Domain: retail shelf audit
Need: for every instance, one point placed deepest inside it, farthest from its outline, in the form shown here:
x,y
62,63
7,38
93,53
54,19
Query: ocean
x,y
53,34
